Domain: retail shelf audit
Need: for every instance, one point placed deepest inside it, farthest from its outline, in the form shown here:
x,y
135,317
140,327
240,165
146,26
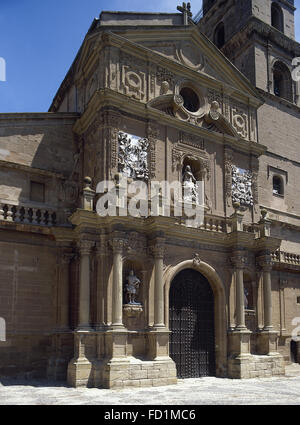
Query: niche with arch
x,y
219,36
277,17
196,167
134,317
282,81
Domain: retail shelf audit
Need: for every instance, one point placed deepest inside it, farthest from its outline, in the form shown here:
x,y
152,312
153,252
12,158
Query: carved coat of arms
x,y
133,156
242,186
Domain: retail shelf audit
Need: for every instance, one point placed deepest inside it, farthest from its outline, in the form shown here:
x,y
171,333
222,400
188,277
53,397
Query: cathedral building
x,y
120,299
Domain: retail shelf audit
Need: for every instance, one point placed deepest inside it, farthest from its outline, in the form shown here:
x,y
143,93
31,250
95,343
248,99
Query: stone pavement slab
x,y
204,391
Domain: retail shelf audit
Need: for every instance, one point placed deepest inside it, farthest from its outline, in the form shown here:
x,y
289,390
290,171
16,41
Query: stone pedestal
x,y
243,365
80,367
115,344
267,343
239,353
158,344
239,342
118,370
131,315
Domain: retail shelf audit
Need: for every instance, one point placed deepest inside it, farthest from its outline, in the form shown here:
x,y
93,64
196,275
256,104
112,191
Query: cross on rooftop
x,y
185,9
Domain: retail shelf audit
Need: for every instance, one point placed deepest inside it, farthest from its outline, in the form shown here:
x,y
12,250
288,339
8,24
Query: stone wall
x,y
27,274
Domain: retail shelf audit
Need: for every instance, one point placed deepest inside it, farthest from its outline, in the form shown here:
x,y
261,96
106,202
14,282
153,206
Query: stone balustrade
x,y
27,215
286,257
214,224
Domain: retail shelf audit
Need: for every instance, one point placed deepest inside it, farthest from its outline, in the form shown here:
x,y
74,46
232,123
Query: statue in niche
x,y
132,286
189,185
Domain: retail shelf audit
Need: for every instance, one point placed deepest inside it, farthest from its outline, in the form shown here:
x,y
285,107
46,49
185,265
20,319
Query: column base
x,y
79,373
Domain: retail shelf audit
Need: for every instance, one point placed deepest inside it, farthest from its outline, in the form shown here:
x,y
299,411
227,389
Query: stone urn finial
x,y
87,194
87,183
264,214
236,205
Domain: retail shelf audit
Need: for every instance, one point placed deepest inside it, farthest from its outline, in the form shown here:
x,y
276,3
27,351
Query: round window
x,y
190,99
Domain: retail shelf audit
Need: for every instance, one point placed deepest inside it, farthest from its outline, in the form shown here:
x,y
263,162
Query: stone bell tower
x,y
258,36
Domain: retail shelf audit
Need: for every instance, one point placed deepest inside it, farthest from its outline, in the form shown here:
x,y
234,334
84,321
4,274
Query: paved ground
x,y
205,391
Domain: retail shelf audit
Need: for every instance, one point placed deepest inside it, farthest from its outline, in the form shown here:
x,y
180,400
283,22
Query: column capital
x,y
158,249
118,245
265,262
239,261
85,247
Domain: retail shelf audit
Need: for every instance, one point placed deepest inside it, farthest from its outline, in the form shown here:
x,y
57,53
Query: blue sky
x,y
40,38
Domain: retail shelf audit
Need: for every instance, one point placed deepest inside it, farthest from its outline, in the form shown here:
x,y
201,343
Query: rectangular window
x,y
37,192
298,300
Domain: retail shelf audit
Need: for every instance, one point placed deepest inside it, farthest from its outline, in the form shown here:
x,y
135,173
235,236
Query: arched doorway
x,y
192,325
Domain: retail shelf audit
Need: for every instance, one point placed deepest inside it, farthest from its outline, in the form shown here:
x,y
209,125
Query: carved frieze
x,y
137,244
163,74
153,135
214,96
228,161
192,140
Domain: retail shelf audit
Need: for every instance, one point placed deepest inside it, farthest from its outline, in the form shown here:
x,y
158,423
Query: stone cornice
x,y
277,216
26,116
31,170
267,33
122,102
172,230
280,100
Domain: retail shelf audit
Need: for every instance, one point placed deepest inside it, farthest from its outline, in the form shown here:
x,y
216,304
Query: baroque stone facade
x,y
155,111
